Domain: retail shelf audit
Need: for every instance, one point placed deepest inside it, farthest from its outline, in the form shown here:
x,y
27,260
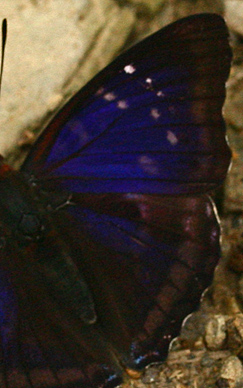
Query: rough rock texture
x,y
47,42
150,6
233,13
176,9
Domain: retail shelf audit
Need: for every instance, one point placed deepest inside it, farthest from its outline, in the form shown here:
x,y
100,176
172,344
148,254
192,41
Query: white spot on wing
x,y
110,96
171,137
214,234
148,165
144,211
122,104
100,91
208,210
160,94
155,113
129,69
188,225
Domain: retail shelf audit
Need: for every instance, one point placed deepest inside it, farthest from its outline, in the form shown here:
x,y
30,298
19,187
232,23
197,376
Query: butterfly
x,y
108,235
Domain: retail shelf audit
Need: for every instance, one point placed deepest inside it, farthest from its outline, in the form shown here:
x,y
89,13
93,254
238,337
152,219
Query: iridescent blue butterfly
x,y
108,236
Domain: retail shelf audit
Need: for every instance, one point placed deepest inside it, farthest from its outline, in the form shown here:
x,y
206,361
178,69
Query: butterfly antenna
x,y
4,39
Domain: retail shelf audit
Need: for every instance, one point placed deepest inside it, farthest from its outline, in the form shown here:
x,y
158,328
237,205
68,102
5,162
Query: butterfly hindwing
x,y
43,343
144,282
146,275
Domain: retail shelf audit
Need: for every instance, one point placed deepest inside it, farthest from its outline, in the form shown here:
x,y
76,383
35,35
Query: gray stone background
x,y
53,48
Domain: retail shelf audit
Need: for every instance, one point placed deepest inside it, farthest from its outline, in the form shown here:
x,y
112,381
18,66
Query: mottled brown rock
x,y
150,5
231,373
235,334
215,332
234,14
177,9
48,41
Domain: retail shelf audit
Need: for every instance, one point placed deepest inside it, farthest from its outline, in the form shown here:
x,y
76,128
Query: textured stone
x,y
150,5
231,372
215,332
234,104
47,42
235,334
234,15
177,9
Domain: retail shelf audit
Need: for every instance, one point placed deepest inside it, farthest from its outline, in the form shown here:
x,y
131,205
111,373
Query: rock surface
x,y
47,41
233,13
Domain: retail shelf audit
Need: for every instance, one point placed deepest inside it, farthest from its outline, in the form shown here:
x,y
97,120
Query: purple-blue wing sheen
x,y
151,122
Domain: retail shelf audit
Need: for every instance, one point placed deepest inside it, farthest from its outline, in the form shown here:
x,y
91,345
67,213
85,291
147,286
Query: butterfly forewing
x,y
151,122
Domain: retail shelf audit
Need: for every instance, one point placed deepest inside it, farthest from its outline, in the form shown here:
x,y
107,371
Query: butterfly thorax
x,y
19,212
27,222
